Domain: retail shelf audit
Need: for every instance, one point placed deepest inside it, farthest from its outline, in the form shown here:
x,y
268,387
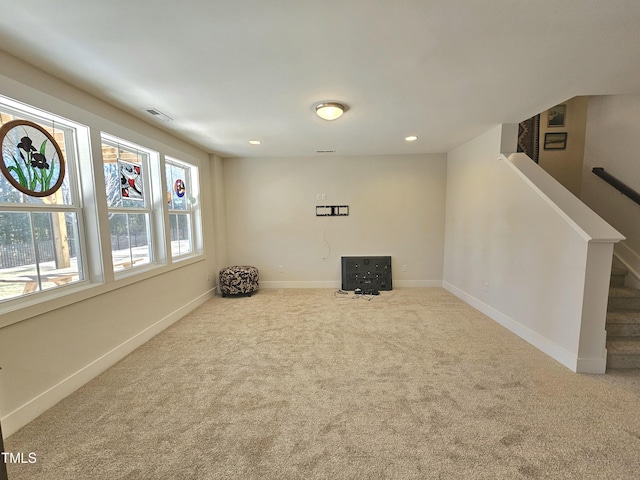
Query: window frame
x,y
190,211
150,164
73,159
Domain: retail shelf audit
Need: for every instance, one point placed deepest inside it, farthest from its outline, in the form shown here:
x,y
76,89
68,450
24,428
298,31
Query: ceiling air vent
x,y
157,114
325,151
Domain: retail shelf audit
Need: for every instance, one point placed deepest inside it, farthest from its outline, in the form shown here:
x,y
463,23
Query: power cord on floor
x,y
326,226
368,298
356,296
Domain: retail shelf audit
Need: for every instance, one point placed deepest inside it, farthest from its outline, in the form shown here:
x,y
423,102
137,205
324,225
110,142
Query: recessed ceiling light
x,y
255,142
411,138
330,110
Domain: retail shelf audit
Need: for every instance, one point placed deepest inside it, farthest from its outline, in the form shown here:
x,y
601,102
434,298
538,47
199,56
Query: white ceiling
x,y
230,71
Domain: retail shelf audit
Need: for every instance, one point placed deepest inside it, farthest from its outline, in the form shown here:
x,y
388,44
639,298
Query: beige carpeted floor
x,y
303,384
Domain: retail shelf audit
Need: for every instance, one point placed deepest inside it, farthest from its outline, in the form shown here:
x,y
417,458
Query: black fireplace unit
x,y
368,274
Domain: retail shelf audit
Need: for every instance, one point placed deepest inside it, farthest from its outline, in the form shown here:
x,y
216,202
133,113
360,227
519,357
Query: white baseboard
x,y
338,284
300,284
47,399
573,363
592,365
417,283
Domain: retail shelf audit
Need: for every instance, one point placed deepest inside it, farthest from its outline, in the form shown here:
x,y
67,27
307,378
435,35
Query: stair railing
x,y
617,184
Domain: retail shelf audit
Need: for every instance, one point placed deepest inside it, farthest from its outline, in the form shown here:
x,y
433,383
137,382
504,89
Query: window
x,y
54,236
180,199
126,174
41,243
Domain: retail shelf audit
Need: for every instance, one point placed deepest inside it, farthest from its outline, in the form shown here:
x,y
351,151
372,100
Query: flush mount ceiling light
x,y
330,110
255,142
411,138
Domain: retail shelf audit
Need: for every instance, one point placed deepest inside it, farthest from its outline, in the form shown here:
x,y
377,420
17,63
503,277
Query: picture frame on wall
x,y
555,141
556,116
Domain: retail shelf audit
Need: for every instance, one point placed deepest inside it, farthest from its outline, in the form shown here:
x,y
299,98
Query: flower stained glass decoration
x,y
31,158
179,188
130,181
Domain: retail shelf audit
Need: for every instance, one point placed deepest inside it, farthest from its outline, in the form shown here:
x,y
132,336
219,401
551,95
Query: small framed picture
x,y
556,116
555,141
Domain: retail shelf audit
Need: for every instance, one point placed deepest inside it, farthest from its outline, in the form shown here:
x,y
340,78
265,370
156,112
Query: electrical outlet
x,y
486,286
281,268
404,268
208,278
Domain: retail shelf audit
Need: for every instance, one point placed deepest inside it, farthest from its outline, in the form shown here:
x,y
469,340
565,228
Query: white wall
x,y
64,343
509,253
216,182
396,207
613,130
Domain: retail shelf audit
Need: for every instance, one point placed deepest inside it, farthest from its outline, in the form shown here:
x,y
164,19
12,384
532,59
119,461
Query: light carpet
x,y
304,384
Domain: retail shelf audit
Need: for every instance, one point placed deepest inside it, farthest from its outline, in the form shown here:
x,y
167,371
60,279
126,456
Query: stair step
x,y
618,276
623,323
623,316
623,345
623,352
617,280
623,329
623,298
619,271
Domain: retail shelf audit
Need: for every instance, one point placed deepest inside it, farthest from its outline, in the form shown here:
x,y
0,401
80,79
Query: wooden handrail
x,y
617,184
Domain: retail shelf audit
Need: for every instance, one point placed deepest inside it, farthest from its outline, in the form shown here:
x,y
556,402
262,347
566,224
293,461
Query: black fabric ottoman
x,y
238,279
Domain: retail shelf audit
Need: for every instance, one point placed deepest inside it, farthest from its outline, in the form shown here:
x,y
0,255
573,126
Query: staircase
x,y
623,323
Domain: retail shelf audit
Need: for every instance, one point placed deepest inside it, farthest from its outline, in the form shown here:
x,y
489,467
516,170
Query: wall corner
x,y
509,138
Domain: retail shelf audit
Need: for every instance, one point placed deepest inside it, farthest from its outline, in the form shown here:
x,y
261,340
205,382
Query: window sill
x,y
19,309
